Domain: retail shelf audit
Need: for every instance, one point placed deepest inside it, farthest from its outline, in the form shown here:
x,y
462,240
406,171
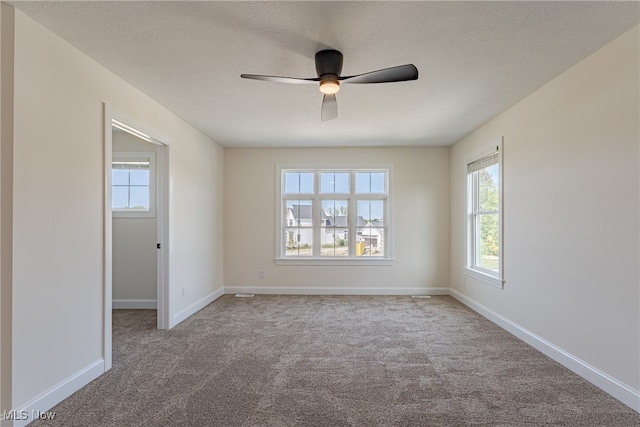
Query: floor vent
x,y
244,295
420,296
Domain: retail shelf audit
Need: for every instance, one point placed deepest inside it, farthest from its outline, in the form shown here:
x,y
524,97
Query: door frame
x,y
163,302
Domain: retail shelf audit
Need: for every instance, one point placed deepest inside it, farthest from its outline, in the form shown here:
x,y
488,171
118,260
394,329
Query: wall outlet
x,y
261,274
184,291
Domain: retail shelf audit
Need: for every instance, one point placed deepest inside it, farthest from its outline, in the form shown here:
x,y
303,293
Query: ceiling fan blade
x,y
394,74
278,79
329,108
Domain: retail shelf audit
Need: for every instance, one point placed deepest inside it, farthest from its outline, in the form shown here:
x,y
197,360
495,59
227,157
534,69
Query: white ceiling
x,y
475,60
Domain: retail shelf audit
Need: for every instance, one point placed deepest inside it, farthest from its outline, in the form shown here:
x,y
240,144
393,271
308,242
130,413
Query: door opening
x,y
136,221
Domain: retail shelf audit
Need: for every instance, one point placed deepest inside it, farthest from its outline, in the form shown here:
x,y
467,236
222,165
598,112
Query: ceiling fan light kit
x,y
328,69
329,87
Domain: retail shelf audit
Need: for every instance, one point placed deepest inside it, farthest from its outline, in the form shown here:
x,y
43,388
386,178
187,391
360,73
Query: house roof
x,y
342,221
301,211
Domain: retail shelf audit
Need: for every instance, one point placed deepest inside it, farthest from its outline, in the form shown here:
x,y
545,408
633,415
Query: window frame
x,y
470,269
317,197
137,156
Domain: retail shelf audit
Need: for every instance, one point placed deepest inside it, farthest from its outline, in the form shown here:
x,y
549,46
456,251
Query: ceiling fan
x,y
329,67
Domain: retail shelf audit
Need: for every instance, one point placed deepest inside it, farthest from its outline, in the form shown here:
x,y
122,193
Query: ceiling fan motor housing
x,y
329,64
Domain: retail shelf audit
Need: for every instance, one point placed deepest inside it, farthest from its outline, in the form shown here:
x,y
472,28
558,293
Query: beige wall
x,y
571,191
421,222
6,197
58,207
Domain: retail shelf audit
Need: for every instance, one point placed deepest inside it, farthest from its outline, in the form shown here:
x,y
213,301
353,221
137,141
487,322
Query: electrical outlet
x,y
261,274
184,291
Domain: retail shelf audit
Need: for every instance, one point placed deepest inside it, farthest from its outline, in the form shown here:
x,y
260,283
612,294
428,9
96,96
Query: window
x,y
484,196
133,184
333,215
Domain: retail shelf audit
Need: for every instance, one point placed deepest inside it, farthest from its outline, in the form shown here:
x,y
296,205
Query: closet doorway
x,y
136,221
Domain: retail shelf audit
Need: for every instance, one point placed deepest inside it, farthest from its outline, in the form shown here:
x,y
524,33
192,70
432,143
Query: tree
x,y
488,200
338,210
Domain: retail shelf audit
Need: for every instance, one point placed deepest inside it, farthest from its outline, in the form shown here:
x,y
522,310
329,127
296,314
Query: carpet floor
x,y
332,361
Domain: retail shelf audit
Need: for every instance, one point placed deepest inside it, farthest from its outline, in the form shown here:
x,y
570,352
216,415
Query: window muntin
x,y
343,214
484,217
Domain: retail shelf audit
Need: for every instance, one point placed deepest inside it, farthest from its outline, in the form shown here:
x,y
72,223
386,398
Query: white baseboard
x,y
195,307
607,383
306,290
145,304
56,394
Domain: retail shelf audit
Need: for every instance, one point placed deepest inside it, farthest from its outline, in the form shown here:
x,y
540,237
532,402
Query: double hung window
x,y
484,201
334,214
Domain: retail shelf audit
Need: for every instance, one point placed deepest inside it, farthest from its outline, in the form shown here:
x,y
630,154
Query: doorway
x,y
136,221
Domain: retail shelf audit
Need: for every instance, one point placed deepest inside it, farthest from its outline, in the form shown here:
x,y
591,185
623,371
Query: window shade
x,y
486,161
130,164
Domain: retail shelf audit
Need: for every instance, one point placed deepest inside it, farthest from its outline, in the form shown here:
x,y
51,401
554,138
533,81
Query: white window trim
x,y
281,259
485,276
132,213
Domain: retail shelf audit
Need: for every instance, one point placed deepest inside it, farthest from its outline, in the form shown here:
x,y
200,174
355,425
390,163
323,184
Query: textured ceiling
x,y
475,60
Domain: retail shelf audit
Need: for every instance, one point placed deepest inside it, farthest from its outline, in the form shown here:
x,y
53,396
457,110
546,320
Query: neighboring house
x,y
372,234
336,229
299,218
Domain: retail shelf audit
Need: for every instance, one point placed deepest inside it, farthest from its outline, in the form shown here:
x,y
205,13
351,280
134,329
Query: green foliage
x,y
340,210
489,200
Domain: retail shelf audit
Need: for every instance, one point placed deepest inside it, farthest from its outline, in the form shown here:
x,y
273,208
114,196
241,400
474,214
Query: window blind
x,y
486,161
130,164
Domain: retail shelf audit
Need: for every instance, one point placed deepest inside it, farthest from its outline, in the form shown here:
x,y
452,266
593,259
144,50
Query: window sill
x,y
334,261
484,277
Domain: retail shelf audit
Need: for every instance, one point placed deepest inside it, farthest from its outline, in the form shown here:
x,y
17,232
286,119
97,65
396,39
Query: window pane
x,y
488,183
487,234
334,242
334,232
334,213
370,241
299,242
298,231
119,197
119,177
371,210
139,197
377,182
298,182
299,212
334,182
370,228
370,182
139,176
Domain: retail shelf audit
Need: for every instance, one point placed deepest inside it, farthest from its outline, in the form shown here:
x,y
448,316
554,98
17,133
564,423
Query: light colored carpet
x,y
332,361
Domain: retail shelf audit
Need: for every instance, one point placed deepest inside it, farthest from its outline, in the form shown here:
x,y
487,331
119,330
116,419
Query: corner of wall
x,y
7,38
